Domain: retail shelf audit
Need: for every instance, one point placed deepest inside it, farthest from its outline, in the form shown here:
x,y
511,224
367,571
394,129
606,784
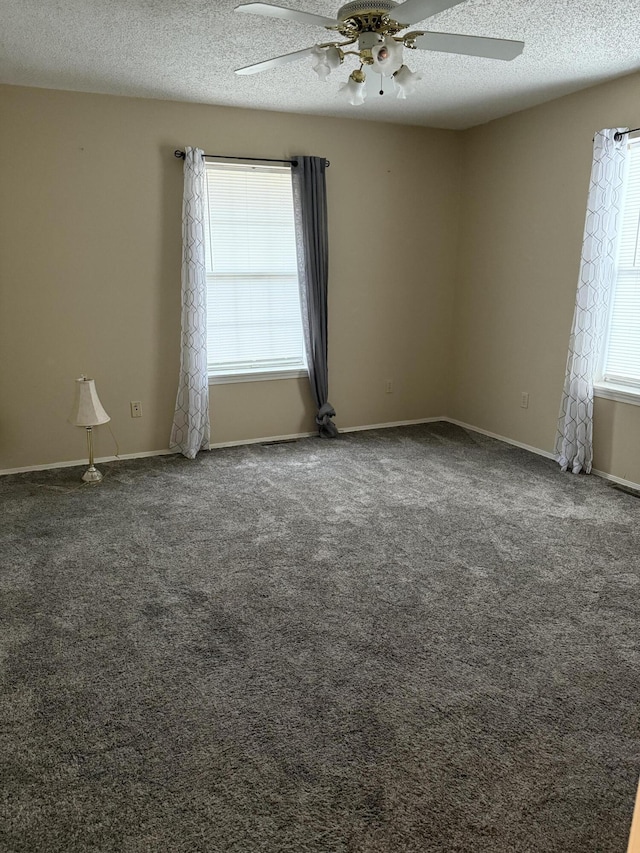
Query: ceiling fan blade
x,y
470,45
276,61
412,11
282,12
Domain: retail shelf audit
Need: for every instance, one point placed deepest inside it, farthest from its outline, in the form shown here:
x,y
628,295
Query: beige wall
x,y
90,261
90,254
525,183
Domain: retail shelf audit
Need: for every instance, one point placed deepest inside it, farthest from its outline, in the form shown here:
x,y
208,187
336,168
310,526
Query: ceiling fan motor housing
x,y
369,39
360,8
369,21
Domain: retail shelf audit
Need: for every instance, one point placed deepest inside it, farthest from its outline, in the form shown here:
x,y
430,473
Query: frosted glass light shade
x,y
318,63
87,409
333,57
324,60
406,81
354,91
387,57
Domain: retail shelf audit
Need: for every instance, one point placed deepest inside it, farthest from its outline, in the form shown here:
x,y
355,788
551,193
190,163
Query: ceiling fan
x,y
371,29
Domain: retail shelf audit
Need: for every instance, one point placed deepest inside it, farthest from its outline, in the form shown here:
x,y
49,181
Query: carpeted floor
x,y
401,641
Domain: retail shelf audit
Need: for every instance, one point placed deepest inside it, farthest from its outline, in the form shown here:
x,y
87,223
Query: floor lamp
x,y
87,412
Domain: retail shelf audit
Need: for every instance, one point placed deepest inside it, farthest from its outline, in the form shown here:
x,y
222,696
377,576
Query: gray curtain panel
x,y
312,244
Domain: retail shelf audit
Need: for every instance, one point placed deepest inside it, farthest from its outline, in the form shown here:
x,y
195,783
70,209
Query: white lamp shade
x,y
324,60
333,57
322,70
387,57
87,409
353,91
406,81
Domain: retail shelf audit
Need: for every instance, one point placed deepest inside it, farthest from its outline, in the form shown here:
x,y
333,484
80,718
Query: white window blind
x,y
253,306
622,353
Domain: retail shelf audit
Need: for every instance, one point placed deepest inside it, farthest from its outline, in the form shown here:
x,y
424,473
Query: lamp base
x,y
92,475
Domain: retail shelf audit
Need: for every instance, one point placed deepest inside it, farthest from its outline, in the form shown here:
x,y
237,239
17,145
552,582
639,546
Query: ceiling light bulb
x,y
354,89
406,81
387,57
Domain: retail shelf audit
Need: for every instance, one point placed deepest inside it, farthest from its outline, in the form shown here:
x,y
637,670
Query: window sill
x,y
258,376
619,393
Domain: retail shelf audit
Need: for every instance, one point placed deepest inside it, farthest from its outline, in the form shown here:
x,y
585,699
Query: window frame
x,y
605,388
261,376
266,373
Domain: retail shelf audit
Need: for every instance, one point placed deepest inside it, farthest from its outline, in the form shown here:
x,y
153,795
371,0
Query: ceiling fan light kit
x,y
354,89
406,81
372,37
325,60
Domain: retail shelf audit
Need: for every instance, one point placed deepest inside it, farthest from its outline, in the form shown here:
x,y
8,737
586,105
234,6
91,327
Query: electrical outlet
x,y
524,399
136,409
389,386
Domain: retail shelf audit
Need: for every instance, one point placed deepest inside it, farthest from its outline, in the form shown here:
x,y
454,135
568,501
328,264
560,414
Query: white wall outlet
x,y
524,399
136,409
389,386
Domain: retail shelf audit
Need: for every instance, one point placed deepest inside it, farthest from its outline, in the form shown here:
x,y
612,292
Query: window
x,y
620,370
254,327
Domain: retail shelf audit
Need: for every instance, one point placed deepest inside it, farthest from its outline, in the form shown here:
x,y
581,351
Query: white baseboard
x,y
275,438
214,446
267,440
628,483
391,424
506,440
619,480
77,462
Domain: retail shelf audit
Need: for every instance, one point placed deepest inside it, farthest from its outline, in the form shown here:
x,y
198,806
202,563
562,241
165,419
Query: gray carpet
x,y
407,640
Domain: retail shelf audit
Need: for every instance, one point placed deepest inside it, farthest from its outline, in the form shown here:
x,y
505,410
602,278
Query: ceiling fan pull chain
x,y
381,89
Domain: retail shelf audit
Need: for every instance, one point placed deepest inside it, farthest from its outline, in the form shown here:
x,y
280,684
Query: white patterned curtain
x,y
190,430
574,448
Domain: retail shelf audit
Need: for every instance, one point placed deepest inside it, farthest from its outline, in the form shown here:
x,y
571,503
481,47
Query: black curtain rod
x,y
618,136
180,155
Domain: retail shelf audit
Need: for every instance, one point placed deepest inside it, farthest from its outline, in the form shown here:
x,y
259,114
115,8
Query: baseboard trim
x,y
75,463
622,482
619,480
265,440
503,438
214,446
293,436
269,439
391,424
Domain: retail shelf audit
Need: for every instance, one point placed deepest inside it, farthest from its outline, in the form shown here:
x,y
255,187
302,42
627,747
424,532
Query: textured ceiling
x,y
187,51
